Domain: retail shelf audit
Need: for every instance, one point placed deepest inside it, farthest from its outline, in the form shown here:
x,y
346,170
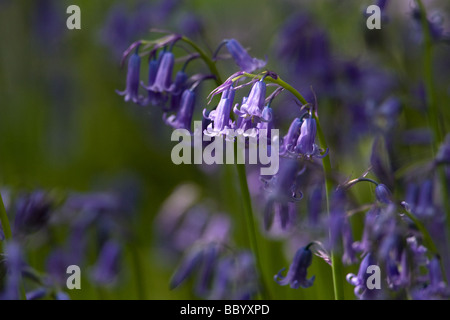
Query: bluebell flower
x,y
107,267
252,106
424,208
383,194
398,274
315,206
235,278
290,139
435,27
154,98
56,266
306,141
435,286
131,91
282,189
341,238
192,261
266,122
360,280
366,243
305,145
183,119
297,274
163,78
188,230
32,213
242,58
221,115
210,257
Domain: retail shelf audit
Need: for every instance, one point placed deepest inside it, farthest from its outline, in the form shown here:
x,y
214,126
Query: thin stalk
x,y
138,272
8,236
209,62
251,226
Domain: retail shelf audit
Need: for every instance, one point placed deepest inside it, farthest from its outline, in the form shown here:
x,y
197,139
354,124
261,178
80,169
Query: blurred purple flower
x,y
242,58
297,274
107,267
32,213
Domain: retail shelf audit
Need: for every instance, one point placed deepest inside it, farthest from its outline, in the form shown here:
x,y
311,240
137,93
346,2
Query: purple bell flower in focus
x,y
183,119
297,274
131,91
306,141
290,139
242,58
252,106
154,98
221,115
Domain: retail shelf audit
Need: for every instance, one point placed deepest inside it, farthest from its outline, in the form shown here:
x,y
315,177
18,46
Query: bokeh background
x,y
64,129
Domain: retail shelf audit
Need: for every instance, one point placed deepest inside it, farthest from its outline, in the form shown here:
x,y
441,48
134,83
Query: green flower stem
x,y
8,236
138,271
433,109
209,62
336,265
251,226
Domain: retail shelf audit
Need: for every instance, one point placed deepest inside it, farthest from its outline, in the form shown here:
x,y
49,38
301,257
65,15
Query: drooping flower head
x,y
242,58
162,81
297,274
282,190
131,91
221,115
360,280
383,194
183,119
252,106
290,139
107,266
